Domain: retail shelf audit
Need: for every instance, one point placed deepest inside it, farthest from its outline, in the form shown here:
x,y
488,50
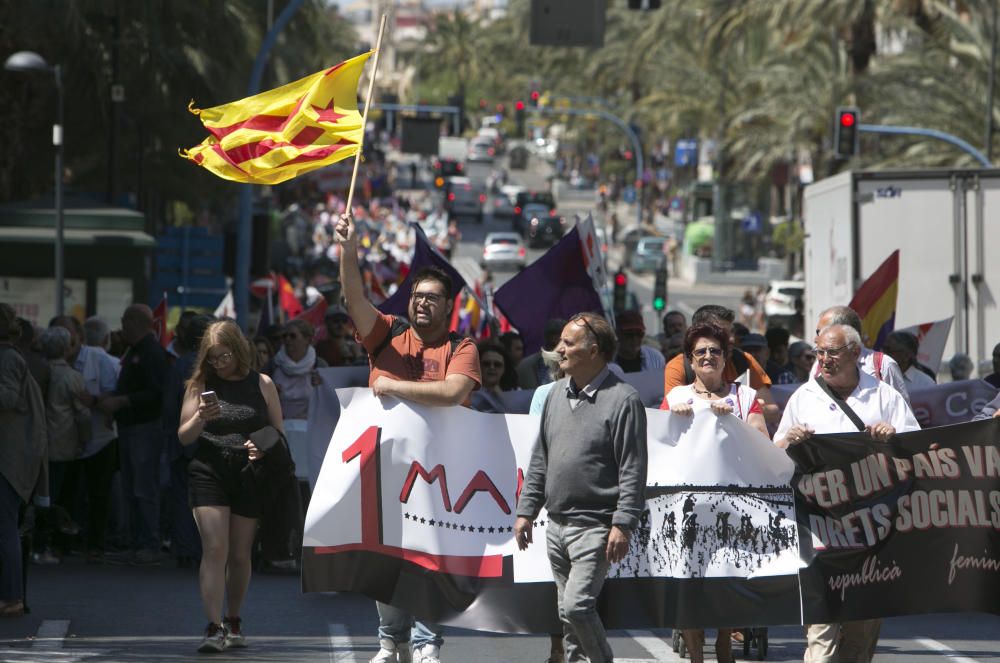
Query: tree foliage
x,y
164,53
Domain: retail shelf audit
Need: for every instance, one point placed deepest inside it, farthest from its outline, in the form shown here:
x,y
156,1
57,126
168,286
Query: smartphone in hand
x,y
209,398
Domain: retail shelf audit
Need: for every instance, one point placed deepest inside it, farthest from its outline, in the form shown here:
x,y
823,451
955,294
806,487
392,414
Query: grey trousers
x,y
850,642
580,564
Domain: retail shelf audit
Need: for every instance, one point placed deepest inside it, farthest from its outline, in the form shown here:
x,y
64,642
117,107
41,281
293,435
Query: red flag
x,y
160,323
289,303
875,301
314,316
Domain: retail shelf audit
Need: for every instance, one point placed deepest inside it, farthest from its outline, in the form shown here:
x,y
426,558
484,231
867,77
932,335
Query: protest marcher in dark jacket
x,y
229,411
184,533
23,447
137,405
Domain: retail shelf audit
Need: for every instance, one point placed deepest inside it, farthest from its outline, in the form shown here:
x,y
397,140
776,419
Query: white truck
x,y
942,222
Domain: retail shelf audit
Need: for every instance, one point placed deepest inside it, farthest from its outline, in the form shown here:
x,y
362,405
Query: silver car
x,y
649,255
504,251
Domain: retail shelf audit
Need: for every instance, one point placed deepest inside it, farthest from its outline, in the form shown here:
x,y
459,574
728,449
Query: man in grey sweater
x,y
589,470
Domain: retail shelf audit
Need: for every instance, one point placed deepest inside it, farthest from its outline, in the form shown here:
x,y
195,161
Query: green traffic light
x,y
659,303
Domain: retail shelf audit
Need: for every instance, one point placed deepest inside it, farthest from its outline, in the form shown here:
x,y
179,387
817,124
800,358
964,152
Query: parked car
x,y
545,226
494,136
518,157
446,168
461,198
504,250
505,200
784,298
482,150
648,256
525,198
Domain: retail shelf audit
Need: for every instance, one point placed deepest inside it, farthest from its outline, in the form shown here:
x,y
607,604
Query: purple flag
x,y
556,285
424,255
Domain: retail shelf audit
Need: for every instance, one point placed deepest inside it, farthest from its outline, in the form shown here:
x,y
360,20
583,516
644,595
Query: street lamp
x,y
33,62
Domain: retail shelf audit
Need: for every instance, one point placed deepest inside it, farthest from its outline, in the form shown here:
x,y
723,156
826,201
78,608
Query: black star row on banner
x,y
482,529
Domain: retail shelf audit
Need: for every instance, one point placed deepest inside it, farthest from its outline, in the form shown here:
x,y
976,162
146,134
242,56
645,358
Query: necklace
x,y
709,392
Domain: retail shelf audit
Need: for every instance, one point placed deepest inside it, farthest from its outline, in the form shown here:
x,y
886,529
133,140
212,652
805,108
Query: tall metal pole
x,y
617,121
57,140
244,229
992,84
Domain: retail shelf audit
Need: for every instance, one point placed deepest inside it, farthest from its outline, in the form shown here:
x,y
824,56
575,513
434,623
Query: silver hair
x,y
851,335
96,332
843,315
55,342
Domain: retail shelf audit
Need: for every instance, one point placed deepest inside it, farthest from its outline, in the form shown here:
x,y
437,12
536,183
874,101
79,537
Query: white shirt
x,y
741,398
917,379
873,401
888,370
100,376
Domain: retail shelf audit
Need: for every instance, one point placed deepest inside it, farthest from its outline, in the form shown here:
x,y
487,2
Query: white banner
x,y
435,489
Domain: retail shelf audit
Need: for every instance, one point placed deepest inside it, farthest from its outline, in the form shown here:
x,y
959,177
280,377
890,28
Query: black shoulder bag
x,y
851,414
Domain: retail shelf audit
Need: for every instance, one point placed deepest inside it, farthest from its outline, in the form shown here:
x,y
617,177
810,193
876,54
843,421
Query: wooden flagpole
x,y
364,117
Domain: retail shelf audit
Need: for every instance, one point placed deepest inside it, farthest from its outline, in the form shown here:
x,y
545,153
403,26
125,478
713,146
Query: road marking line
x,y
341,644
655,645
51,634
942,648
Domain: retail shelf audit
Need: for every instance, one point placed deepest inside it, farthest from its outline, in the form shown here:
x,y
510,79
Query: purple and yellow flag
x,y
875,301
276,135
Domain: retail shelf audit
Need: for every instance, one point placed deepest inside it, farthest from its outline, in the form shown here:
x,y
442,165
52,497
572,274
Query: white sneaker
x,y
390,652
427,654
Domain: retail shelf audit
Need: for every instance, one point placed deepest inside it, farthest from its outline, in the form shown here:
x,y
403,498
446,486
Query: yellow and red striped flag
x,y
279,134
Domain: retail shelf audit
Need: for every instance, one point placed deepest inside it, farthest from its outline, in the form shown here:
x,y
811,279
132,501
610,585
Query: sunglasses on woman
x,y
701,352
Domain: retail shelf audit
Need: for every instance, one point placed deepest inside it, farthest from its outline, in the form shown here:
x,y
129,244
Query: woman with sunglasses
x,y
493,365
226,405
706,346
294,369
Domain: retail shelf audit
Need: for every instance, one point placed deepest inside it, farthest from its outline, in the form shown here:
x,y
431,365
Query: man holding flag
x,y
418,361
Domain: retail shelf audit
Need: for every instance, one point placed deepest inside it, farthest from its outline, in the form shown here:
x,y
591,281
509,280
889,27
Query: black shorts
x,y
216,478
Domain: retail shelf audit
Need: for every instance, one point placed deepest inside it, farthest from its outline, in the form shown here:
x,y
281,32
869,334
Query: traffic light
x,y
660,289
845,133
620,292
519,116
535,96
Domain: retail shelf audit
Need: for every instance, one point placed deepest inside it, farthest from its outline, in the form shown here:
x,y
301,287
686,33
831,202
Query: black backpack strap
x,y
397,328
455,339
688,371
848,410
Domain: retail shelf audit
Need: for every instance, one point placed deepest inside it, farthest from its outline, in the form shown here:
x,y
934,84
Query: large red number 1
x,y
367,446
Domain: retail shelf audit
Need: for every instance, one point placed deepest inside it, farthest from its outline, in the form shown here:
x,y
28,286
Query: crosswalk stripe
x,y
51,634
341,644
945,650
655,645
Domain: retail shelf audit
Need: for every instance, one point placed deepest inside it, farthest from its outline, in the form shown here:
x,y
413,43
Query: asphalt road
x,y
104,614
682,296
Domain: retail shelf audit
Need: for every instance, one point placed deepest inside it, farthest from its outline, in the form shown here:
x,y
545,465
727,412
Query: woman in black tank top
x,y
224,405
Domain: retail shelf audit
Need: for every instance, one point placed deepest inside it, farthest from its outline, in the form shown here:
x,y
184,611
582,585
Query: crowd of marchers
x,y
123,451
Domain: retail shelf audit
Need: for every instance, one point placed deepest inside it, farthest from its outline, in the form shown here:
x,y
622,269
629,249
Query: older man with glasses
x,y
418,361
589,470
843,398
877,364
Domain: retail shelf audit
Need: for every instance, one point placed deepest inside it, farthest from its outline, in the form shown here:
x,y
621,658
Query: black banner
x,y
905,527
